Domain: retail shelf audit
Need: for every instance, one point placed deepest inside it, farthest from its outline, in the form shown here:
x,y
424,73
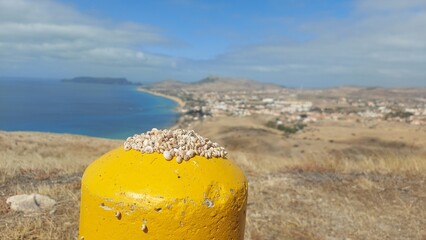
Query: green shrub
x,y
286,129
399,114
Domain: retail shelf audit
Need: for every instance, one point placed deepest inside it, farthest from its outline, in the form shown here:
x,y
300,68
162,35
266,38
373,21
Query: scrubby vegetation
x,y
398,114
287,129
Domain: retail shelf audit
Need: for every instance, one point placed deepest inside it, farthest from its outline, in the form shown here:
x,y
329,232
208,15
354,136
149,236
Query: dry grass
x,y
49,164
311,205
333,181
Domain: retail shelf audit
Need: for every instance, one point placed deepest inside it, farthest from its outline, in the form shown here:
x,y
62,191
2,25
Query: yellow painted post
x,y
135,195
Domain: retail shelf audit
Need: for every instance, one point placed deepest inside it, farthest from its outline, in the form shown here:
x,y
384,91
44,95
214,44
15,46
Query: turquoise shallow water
x,y
110,111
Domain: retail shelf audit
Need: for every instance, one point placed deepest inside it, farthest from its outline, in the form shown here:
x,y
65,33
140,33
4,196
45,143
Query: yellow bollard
x,y
135,195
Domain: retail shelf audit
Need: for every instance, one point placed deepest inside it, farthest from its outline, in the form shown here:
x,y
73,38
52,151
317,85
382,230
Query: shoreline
x,y
177,100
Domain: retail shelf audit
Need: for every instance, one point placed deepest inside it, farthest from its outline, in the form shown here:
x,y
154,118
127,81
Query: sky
x,y
295,43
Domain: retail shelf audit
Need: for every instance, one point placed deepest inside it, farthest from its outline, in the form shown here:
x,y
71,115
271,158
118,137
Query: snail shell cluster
x,y
179,143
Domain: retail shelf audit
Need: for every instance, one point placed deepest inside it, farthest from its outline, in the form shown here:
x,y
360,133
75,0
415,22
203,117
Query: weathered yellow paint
x,y
133,195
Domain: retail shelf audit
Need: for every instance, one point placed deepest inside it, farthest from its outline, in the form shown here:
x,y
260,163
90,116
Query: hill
x,y
167,84
217,84
233,84
334,180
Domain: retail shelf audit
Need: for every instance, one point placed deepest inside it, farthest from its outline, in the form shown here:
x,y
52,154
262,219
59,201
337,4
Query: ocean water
x,y
109,111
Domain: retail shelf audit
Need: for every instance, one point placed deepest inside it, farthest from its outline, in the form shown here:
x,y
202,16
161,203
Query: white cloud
x,y
383,5
24,11
368,48
44,30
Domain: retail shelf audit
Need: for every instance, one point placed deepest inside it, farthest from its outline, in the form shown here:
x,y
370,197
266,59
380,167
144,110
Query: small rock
x,y
30,203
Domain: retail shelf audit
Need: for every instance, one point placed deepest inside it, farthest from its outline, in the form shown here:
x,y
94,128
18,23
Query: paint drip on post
x,y
164,184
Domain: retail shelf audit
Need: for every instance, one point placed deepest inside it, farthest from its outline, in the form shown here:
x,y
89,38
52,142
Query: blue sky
x,y
204,29
290,42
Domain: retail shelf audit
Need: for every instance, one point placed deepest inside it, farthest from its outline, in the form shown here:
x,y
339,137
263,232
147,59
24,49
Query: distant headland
x,y
99,80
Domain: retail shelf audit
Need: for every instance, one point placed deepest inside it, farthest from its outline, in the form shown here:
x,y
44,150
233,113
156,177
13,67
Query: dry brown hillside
x,y
331,181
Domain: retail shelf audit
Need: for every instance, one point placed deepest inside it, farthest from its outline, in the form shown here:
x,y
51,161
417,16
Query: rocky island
x,y
99,80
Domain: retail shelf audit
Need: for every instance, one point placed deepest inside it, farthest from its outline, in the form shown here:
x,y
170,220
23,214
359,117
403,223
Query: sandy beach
x,y
179,101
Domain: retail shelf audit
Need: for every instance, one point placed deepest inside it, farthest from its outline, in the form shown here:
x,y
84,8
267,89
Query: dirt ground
x,y
333,180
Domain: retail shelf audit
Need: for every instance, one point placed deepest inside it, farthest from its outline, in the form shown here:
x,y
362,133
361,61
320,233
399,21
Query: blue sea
x,y
99,110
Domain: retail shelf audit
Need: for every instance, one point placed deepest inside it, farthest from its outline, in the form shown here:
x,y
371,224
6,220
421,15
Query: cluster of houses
x,y
288,106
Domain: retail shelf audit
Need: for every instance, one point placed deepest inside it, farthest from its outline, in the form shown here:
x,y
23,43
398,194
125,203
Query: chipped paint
x,y
118,215
106,208
209,203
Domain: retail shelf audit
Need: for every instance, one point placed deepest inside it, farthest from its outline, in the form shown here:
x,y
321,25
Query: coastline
x,y
179,101
178,109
